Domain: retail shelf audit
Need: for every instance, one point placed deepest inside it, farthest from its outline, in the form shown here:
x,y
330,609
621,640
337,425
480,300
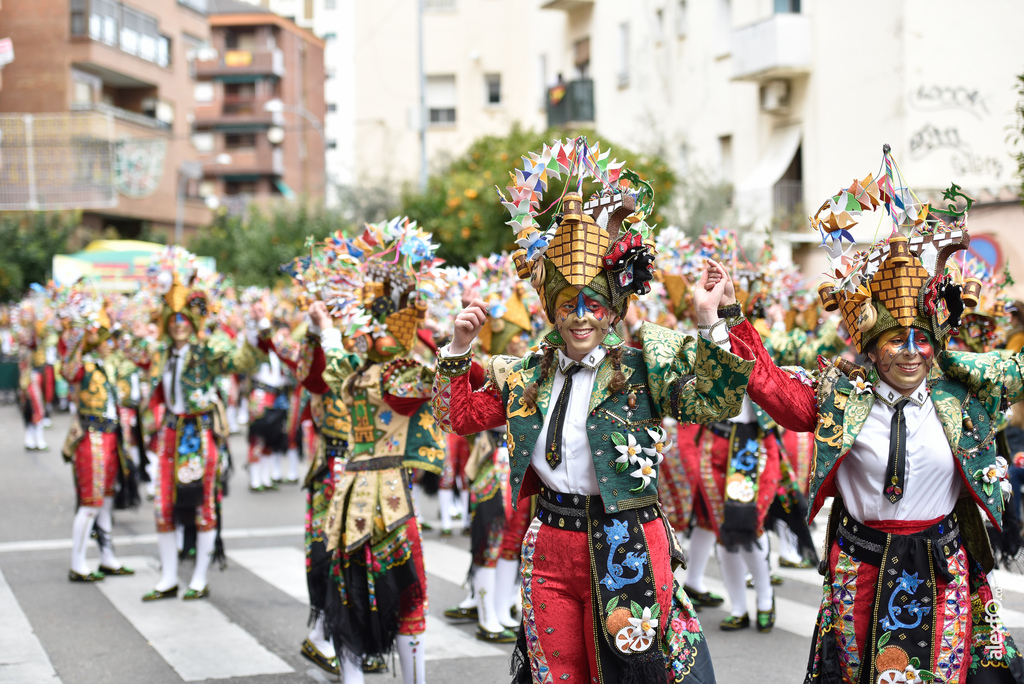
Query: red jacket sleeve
x,y
459,409
786,398
314,379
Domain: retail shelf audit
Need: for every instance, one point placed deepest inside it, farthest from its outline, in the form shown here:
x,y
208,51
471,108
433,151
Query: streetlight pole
x,y
274,106
423,99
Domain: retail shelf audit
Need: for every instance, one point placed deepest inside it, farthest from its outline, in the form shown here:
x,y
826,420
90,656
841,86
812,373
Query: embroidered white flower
x,y
202,399
378,330
628,452
642,631
862,386
645,471
994,472
911,675
740,490
661,444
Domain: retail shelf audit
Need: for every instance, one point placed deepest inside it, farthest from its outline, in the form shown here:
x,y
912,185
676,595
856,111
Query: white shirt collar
x,y
180,352
889,396
590,361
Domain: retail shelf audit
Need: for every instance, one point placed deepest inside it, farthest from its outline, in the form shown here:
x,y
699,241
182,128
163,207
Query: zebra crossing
x,y
200,642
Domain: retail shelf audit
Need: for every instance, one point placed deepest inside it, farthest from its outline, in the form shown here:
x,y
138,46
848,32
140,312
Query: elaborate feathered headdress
x,y
904,279
174,275
601,244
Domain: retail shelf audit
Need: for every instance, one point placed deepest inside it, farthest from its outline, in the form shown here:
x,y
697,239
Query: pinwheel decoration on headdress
x,y
903,279
603,244
173,273
376,284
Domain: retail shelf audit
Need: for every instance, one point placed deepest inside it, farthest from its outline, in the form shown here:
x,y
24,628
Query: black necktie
x,y
554,441
896,469
174,377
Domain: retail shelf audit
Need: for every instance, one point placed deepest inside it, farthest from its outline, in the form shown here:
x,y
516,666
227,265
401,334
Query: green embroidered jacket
x,y
675,375
970,391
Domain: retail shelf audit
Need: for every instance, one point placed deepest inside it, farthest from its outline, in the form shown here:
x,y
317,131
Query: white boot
x,y
255,477
506,588
352,667
411,655
41,437
204,556
321,642
73,408
445,499
293,465
30,437
417,498
105,521
168,547
85,517
264,468
464,506
487,616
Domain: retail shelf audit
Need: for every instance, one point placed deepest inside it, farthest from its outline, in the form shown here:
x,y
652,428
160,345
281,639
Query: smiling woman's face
x,y
903,358
582,321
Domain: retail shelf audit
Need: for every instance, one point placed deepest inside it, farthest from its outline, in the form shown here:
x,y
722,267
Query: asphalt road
x,y
252,626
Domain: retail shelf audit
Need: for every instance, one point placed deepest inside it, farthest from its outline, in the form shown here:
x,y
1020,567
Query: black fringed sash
x,y
742,478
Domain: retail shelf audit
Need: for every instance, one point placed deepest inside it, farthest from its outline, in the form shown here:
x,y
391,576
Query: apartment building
x,y
259,107
789,99
96,110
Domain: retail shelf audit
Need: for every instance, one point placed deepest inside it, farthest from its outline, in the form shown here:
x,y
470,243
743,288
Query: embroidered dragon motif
x,y
618,535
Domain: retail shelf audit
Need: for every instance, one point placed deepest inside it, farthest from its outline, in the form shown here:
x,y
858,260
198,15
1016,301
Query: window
x,y
725,157
239,141
117,25
659,25
332,144
332,107
240,40
787,6
86,88
681,19
581,57
492,83
234,187
163,51
203,141
441,100
203,91
330,4
623,54
78,22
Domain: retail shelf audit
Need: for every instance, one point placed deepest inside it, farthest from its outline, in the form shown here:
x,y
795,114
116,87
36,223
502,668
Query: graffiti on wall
x,y
949,104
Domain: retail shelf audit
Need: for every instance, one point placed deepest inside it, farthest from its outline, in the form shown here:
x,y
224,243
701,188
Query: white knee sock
x,y
734,573
40,436
445,499
105,521
464,505
85,517
506,587
264,468
275,466
255,475
702,543
470,600
417,500
293,463
487,616
204,556
322,643
351,667
410,654
30,436
167,544
756,561
787,543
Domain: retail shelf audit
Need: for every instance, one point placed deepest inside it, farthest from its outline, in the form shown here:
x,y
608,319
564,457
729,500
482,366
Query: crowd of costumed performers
x,y
585,407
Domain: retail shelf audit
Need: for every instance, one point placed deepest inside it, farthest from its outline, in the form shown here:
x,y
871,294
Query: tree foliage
x,y
251,248
30,240
462,209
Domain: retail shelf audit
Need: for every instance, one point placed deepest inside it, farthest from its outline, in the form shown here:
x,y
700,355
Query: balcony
x,y
232,111
262,160
567,5
242,63
778,47
571,103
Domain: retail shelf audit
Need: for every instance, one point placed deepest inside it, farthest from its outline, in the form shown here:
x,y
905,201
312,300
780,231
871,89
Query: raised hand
x,y
467,326
319,316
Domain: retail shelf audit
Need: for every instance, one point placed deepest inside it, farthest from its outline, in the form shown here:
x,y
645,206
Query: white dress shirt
x,y
931,484
178,407
576,473
270,373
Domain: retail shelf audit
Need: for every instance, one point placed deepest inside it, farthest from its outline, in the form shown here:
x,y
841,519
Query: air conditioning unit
x,y
775,96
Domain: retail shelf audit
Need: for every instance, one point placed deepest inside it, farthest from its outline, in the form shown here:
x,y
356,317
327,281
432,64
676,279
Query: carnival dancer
x,y
183,370
583,430
377,284
94,443
31,330
269,402
906,448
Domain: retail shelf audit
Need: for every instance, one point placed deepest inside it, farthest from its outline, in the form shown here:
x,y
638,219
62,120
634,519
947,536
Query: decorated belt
x,y
270,389
335,447
725,428
868,545
174,420
98,423
375,463
570,511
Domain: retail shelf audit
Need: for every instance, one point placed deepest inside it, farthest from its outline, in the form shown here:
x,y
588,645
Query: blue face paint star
x,y
581,306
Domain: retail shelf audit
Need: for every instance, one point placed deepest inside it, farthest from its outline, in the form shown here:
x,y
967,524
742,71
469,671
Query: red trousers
x,y
96,464
558,607
206,512
413,611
